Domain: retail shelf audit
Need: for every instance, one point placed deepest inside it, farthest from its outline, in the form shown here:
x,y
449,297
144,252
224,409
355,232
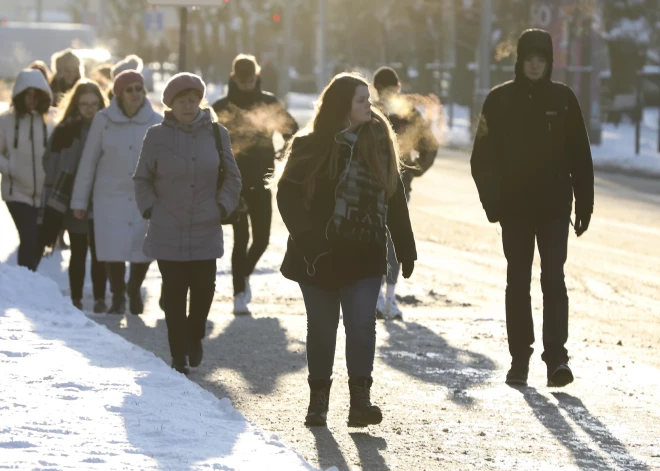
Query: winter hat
x,y
61,59
179,83
124,79
534,41
31,78
130,62
385,77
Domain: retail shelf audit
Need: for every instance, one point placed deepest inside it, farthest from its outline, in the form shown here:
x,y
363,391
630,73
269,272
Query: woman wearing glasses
x,y
105,175
60,161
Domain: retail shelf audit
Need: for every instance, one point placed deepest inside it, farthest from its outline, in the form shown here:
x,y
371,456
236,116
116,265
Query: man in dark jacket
x,y
414,134
251,116
531,155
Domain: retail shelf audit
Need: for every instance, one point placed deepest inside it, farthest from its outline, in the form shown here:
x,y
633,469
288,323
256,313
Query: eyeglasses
x,y
136,89
94,105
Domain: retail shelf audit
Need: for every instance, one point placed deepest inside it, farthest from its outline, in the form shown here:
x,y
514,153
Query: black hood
x,y
535,41
243,99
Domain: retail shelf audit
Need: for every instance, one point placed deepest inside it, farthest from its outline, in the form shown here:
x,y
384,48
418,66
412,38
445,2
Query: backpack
x,y
235,215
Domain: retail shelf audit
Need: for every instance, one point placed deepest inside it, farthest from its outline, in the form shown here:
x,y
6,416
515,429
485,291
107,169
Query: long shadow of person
x,y
258,349
550,416
419,352
328,451
593,427
369,448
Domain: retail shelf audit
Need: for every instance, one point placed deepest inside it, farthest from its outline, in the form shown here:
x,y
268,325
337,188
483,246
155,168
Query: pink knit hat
x,y
179,83
124,79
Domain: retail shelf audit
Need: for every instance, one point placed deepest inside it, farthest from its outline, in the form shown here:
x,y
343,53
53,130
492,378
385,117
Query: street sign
x,y
154,20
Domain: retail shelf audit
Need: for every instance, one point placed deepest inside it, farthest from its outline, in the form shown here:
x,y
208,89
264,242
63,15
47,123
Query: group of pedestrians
x,y
133,186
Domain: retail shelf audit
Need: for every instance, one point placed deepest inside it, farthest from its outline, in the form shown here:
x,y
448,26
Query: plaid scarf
x,y
360,213
61,161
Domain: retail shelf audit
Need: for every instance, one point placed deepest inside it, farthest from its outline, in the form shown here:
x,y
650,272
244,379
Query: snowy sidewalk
x,y
76,396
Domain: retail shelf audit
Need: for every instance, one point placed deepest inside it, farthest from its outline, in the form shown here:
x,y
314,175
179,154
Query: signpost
x,y
183,20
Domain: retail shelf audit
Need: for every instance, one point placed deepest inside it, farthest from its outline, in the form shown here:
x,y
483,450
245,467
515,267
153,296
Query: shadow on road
x,y
417,351
598,432
369,448
328,452
586,457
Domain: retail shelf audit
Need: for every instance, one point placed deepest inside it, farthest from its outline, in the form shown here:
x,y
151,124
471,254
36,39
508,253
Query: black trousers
x,y
518,238
117,273
25,219
198,277
78,264
260,210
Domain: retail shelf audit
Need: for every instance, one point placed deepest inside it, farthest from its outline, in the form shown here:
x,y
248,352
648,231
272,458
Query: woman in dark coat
x,y
339,195
60,162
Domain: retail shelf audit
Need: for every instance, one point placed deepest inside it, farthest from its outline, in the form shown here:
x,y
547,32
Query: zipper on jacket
x,y
34,163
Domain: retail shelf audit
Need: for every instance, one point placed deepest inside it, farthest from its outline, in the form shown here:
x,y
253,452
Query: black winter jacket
x,y
251,119
531,153
314,256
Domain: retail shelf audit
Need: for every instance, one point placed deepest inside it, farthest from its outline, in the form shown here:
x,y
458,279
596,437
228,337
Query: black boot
x,y
319,399
195,353
180,365
362,412
135,303
559,376
517,375
118,305
100,306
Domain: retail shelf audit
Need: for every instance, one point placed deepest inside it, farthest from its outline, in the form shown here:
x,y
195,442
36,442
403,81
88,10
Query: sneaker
x,y
517,375
248,290
99,306
560,376
240,305
77,303
391,310
380,306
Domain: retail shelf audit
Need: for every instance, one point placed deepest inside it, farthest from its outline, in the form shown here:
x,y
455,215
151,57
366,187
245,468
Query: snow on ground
x,y
76,396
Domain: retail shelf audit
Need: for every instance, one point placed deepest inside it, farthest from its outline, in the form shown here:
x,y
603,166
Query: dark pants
x,y
518,237
178,278
25,219
117,273
243,261
78,264
358,304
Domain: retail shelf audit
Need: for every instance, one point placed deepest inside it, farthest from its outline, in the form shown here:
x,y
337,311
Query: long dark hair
x,y
68,106
321,153
43,102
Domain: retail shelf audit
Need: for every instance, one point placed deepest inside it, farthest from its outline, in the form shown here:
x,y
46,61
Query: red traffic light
x,y
277,17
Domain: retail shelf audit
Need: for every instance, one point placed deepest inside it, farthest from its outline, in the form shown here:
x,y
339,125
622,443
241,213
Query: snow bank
x,y
76,396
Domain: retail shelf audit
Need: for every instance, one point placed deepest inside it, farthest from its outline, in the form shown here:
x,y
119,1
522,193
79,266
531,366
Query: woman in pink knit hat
x,y
104,181
186,183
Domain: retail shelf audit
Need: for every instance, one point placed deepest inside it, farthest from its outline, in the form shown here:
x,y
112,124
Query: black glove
x,y
582,223
147,214
407,268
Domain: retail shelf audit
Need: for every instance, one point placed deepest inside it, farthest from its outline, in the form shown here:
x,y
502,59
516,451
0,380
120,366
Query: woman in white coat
x,y
105,176
23,139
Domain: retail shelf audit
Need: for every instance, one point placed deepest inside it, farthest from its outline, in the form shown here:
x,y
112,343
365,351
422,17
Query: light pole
x,y
484,57
320,44
183,37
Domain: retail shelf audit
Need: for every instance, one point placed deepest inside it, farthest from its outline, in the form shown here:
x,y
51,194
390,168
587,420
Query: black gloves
x,y
582,223
147,214
407,268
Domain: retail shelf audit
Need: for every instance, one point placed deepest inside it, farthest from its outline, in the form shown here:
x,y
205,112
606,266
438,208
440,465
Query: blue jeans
x,y
358,304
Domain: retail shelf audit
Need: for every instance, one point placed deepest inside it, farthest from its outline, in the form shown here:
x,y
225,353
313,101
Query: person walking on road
x,y
23,139
105,174
339,194
67,70
186,182
60,162
252,116
531,155
413,134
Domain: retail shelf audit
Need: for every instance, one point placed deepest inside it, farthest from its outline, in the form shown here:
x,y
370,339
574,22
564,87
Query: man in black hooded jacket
x,y
251,116
531,155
